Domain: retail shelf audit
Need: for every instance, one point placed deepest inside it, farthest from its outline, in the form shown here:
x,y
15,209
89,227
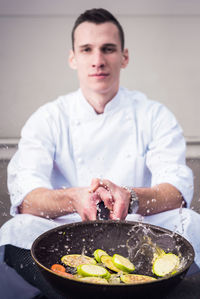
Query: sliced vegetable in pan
x,y
74,260
93,270
107,261
93,280
87,269
58,267
135,278
123,263
98,253
165,264
114,278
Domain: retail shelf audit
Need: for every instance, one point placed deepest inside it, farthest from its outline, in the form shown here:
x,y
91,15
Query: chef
x,y
99,144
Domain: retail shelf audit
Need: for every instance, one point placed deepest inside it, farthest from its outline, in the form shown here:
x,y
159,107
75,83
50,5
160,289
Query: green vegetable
x,y
98,253
123,263
114,278
165,264
74,260
93,270
93,280
134,278
107,261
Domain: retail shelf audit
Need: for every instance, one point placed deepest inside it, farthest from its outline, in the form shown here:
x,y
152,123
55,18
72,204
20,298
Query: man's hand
x,y
85,203
115,198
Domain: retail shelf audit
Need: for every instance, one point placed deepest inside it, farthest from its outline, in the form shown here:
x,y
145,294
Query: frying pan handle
x,y
102,212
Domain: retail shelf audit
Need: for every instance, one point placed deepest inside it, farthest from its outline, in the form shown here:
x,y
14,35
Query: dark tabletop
x,y
189,287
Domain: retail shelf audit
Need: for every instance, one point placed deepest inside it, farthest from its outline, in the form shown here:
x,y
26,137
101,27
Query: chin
x,y
104,89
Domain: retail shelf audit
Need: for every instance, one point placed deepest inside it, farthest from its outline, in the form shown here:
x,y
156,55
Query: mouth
x,y
99,75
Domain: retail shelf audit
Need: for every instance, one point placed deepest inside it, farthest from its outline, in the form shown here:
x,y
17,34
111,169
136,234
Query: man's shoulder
x,y
63,103
54,110
140,100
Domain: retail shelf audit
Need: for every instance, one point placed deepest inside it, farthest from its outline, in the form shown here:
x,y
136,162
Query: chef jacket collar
x,y
110,106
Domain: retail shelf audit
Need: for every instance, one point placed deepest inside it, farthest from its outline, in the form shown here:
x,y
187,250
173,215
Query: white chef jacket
x,y
65,143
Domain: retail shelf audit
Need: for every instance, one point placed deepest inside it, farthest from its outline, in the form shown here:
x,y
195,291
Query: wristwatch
x,y
134,200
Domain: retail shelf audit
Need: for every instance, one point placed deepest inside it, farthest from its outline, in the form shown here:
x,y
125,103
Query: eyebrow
x,y
104,45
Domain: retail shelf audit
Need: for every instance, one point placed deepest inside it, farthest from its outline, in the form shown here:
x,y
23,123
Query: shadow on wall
x,y
194,164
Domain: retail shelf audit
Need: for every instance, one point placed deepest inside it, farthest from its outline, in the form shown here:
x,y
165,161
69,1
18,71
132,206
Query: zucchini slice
x,y
107,261
166,264
98,253
123,263
135,278
74,260
93,270
93,280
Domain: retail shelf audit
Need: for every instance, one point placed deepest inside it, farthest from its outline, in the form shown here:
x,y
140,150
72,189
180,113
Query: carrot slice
x,y
58,268
65,274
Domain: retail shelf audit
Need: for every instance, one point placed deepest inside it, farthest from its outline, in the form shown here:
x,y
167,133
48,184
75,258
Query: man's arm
x,y
157,199
48,203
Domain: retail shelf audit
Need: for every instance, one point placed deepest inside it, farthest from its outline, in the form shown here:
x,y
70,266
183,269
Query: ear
x,y
125,58
72,60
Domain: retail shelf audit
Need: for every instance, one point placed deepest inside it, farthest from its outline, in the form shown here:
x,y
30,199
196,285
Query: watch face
x,y
134,202
134,206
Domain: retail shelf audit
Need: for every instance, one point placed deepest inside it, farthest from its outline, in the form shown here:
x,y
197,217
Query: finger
x,y
105,184
106,196
119,211
90,214
95,183
95,198
93,215
92,211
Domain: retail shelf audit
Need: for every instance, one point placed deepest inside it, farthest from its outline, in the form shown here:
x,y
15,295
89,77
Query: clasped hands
x,y
115,198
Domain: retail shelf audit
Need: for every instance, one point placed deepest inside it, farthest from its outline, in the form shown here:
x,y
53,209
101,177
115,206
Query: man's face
x,y
98,58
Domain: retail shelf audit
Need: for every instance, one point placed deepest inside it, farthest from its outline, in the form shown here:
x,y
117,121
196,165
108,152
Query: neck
x,y
98,100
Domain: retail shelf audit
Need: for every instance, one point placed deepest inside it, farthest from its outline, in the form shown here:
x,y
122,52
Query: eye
x,y
108,49
87,49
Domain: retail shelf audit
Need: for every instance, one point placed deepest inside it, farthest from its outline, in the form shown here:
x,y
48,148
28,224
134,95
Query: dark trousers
x,y
23,263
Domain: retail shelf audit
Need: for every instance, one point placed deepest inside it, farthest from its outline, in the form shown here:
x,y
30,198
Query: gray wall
x,y
162,37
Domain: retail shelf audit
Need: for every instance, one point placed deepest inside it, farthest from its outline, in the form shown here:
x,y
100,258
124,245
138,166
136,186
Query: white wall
x,y
163,37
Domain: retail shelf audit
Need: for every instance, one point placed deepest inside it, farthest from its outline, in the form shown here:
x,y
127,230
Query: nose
x,y
98,60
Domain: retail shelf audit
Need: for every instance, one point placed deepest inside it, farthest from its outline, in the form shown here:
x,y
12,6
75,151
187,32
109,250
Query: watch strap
x,y
134,200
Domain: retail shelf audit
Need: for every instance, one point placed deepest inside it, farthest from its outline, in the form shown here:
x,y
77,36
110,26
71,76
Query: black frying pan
x,y
126,238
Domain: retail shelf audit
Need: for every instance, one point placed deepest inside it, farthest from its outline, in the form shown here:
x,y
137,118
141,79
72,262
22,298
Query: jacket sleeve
x,y
166,153
32,164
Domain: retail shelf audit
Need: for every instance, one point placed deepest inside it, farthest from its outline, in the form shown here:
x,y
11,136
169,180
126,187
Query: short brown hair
x,y
98,16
